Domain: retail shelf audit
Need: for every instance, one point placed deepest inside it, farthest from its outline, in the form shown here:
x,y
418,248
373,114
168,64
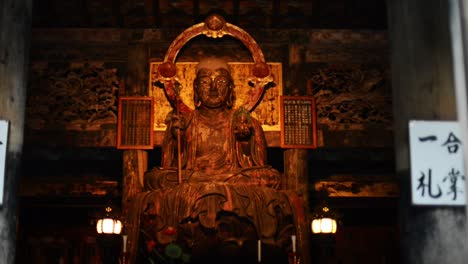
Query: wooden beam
x,y
354,186
98,138
358,189
107,137
67,189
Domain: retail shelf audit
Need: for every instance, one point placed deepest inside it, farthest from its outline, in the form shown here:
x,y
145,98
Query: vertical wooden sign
x,y
298,127
135,123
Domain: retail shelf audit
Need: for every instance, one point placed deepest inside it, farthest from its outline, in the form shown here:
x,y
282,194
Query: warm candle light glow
x,y
259,251
109,226
124,241
293,238
324,225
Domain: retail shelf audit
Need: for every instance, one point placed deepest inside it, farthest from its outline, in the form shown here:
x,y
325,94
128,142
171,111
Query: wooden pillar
x,y
135,161
134,166
15,27
296,174
137,70
296,165
422,83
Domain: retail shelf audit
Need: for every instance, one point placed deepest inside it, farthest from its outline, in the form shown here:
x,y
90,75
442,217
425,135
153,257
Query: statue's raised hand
x,y
177,123
243,126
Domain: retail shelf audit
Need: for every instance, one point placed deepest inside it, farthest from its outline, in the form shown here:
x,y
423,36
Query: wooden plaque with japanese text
x,y
298,126
135,123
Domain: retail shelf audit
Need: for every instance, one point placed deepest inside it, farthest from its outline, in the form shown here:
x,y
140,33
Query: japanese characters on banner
x,y
437,170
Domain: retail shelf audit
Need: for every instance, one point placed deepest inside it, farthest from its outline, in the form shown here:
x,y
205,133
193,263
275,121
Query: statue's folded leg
x,y
264,176
157,179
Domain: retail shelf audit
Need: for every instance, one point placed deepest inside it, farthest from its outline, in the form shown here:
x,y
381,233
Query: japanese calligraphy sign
x,y
135,123
437,170
298,126
3,151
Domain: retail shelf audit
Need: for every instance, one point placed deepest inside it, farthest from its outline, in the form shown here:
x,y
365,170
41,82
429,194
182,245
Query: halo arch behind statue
x,y
215,27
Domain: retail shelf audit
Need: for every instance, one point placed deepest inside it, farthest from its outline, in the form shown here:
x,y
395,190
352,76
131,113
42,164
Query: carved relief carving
x,y
74,98
352,95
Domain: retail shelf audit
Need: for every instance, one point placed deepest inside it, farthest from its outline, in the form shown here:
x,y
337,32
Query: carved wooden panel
x,y
298,127
352,95
79,97
135,123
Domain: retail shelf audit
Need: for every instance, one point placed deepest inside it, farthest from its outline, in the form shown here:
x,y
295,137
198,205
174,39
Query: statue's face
x,y
213,87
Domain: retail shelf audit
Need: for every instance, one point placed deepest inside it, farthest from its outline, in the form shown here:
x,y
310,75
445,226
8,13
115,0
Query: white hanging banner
x,y
3,151
437,170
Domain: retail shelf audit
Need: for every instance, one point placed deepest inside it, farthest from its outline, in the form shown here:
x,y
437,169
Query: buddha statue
x,y
225,193
218,144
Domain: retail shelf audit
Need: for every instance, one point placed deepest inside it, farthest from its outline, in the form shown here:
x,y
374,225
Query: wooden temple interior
x,y
86,55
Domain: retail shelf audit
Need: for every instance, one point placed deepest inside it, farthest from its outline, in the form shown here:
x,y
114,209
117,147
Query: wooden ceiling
x,y
343,14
